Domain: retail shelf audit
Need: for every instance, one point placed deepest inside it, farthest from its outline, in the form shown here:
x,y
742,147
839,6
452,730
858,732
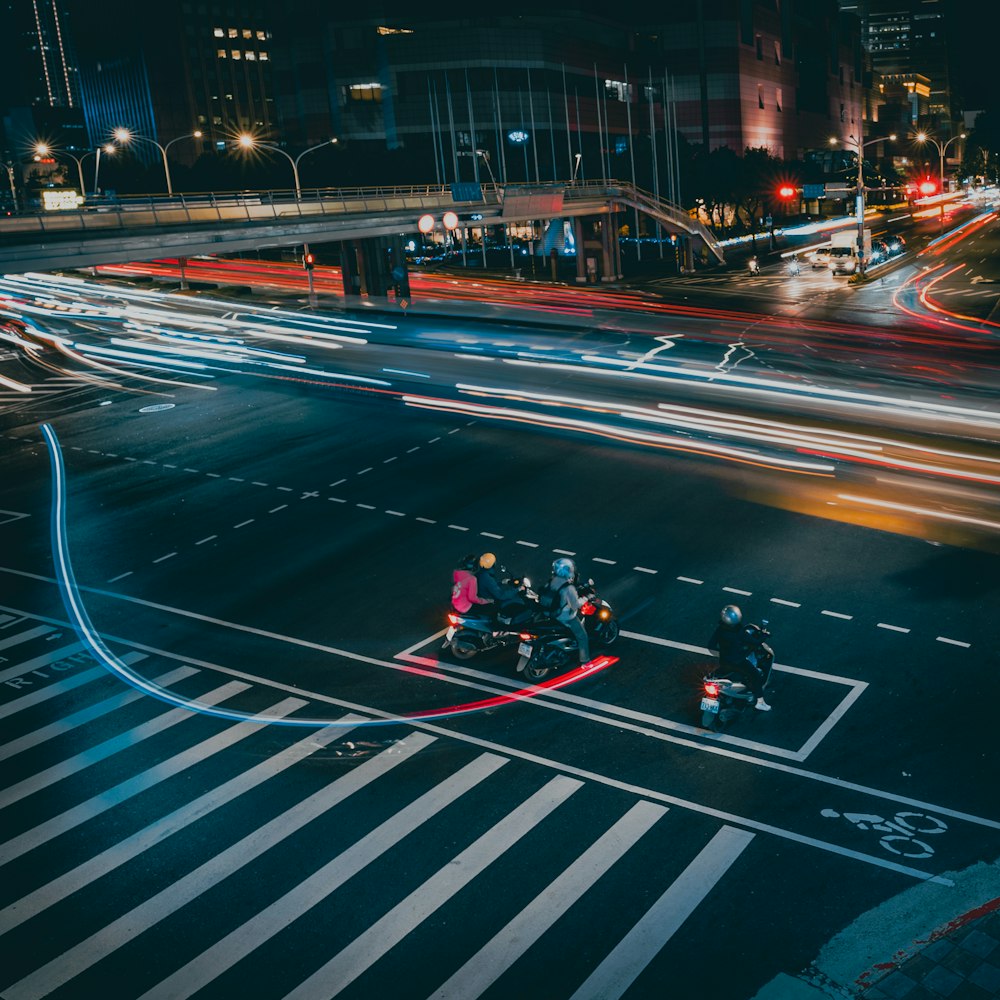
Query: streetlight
x,y
44,149
125,136
248,141
860,196
922,137
108,150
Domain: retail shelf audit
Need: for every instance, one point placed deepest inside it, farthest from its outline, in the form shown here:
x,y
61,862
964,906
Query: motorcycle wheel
x,y
709,720
463,650
607,632
536,669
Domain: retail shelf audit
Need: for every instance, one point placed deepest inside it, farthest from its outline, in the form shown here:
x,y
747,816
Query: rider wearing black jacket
x,y
735,643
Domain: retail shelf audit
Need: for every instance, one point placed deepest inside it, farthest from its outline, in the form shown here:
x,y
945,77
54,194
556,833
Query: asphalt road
x,y
283,545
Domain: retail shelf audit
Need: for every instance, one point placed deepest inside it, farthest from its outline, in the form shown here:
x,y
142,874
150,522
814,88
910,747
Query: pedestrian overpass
x,y
369,223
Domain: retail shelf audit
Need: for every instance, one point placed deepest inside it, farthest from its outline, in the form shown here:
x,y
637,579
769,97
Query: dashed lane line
x,y
458,527
364,506
607,562
396,513
209,539
563,552
892,628
169,555
120,576
274,510
645,569
426,520
527,545
838,614
953,642
787,604
490,534
690,579
736,590
243,524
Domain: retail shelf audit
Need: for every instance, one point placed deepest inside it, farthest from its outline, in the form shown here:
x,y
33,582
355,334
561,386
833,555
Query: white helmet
x,y
564,568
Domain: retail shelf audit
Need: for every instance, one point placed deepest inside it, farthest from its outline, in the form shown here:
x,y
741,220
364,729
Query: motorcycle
x,y
754,267
548,645
725,699
469,634
794,267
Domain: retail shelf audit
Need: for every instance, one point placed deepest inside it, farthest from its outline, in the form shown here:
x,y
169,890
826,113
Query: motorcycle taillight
x,y
712,690
525,636
588,609
453,619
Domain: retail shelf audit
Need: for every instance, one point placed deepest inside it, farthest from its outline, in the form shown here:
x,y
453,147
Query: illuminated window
x,y
618,89
262,56
777,53
778,98
365,92
233,33
383,30
262,35
221,53
760,96
247,33
236,54
218,32
251,56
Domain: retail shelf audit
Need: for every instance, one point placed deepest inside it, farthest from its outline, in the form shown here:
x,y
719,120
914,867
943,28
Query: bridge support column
x,y
398,270
607,251
581,253
373,265
349,268
616,245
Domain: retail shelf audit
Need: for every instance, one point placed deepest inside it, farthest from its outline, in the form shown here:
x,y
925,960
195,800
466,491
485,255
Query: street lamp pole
x,y
860,190
44,149
942,150
125,136
108,150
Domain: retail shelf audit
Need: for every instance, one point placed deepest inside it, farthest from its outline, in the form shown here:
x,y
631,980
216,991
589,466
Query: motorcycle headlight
x,y
603,613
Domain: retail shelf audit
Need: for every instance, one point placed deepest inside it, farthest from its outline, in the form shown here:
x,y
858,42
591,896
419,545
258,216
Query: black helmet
x,y
469,562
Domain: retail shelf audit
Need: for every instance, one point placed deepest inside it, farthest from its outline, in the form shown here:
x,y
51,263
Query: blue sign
x,y
810,191
466,191
517,137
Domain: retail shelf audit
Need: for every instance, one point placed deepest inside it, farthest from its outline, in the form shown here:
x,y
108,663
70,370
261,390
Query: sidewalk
x,y
927,943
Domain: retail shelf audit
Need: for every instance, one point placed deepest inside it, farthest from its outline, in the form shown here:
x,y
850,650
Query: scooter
x,y
725,699
754,267
469,634
548,645
794,267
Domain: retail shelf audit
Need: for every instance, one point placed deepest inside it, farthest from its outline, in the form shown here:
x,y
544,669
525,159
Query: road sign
x,y
810,191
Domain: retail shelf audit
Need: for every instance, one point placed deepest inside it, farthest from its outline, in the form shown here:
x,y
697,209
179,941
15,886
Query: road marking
x,y
255,483
338,482
484,968
837,614
364,506
426,520
432,440
166,465
735,590
643,569
787,604
233,479
368,947
396,513
62,969
64,725
193,470
75,681
180,819
386,461
363,471
490,534
892,628
161,771
123,741
127,459
454,430
286,489
243,524
209,539
39,662
457,527
274,510
211,475
336,500
607,562
25,636
213,962
169,555
564,552
954,642
646,939
410,451
688,579
529,545
120,576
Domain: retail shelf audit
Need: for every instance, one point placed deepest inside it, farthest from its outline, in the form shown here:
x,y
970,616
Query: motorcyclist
x,y
568,603
754,265
465,588
794,267
489,586
740,655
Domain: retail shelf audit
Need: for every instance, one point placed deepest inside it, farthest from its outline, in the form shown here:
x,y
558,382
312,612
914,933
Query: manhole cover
x,y
156,407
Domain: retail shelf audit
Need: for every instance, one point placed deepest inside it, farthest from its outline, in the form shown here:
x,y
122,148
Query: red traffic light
x,y
786,191
927,186
308,261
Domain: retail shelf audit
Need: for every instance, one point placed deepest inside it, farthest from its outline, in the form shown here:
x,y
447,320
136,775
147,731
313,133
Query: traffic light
x,y
308,261
786,192
927,186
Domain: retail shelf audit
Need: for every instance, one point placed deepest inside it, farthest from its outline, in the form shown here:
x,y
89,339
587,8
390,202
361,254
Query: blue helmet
x,y
731,615
564,568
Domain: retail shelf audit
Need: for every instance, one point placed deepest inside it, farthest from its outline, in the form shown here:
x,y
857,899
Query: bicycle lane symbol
x,y
900,831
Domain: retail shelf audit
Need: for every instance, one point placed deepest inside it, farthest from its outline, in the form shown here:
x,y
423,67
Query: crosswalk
x,y
176,855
